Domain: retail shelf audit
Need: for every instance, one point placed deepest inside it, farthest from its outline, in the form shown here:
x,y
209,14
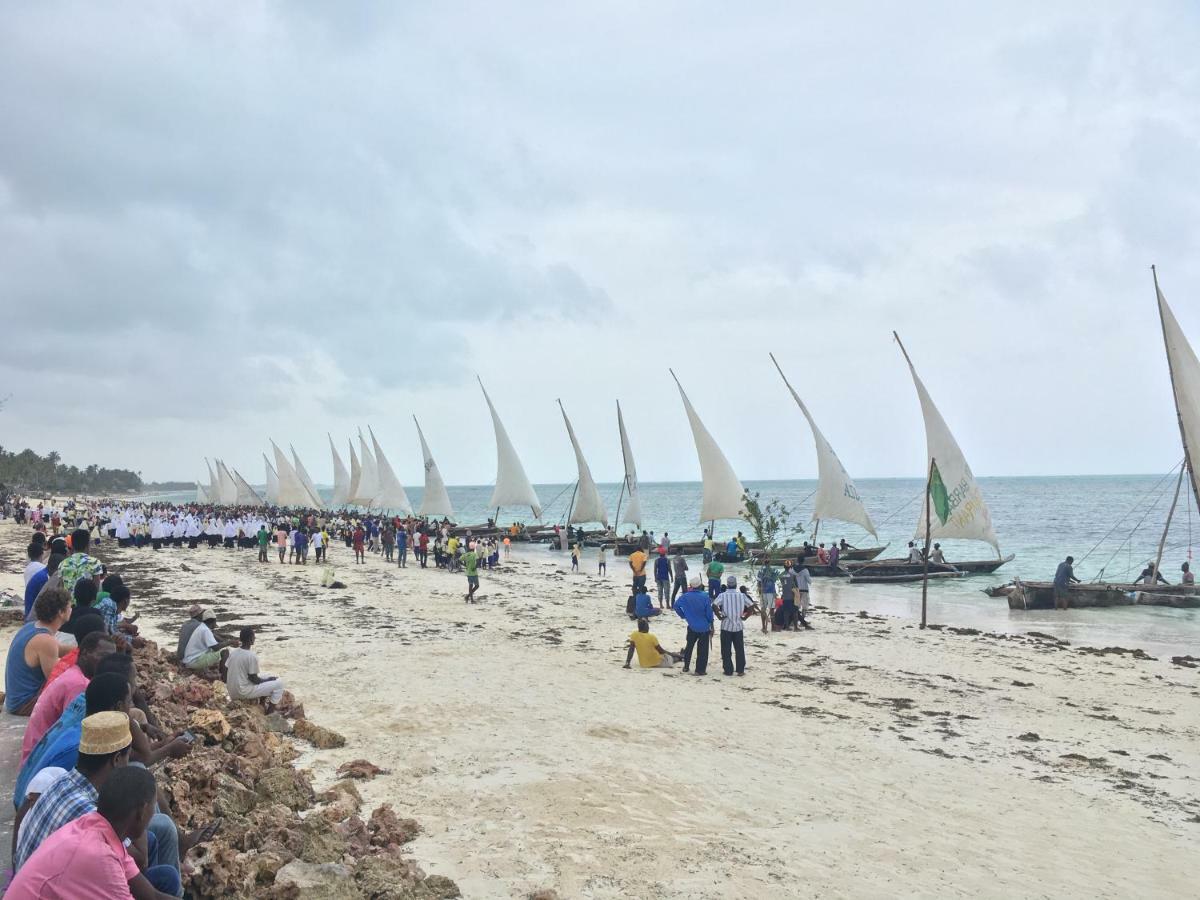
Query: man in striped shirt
x,y
733,608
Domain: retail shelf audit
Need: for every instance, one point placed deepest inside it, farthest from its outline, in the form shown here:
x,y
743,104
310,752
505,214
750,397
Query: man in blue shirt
x,y
402,548
694,606
643,606
662,577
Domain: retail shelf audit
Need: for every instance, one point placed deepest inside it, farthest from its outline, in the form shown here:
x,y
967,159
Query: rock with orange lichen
x,y
360,768
211,724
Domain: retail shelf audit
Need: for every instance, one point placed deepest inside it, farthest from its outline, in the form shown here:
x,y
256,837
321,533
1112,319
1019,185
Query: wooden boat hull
x,y
904,567
778,558
1040,595
901,577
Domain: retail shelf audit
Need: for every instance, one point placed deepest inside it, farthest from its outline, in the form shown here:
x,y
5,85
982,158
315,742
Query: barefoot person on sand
x,y
470,562
650,653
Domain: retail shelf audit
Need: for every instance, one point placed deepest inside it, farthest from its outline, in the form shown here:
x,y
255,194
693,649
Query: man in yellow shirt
x,y
650,653
637,562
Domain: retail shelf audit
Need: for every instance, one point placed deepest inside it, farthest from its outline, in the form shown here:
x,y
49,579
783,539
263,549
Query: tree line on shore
x,y
30,470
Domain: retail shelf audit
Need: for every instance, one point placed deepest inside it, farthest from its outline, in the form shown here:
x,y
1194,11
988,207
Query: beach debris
x,y
1136,653
1029,736
211,723
544,894
320,737
360,768
1188,662
389,830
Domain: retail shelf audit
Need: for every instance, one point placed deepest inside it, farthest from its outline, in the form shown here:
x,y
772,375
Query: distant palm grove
x,y
30,471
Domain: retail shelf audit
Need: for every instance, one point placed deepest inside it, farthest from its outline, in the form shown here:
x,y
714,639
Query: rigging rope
x,y
1129,512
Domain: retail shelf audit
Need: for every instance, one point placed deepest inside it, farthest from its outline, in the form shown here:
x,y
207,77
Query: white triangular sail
x,y
837,497
368,481
391,494
588,507
341,478
355,475
227,485
201,493
512,484
246,495
305,480
633,509
1185,381
214,488
723,491
292,491
964,516
272,481
435,501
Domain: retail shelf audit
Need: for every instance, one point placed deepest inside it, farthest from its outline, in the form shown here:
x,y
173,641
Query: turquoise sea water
x,y
1111,524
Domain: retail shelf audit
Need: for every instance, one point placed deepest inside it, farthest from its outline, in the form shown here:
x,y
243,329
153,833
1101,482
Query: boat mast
x,y
928,530
1187,455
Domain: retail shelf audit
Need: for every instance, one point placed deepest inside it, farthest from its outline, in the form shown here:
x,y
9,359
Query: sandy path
x,y
864,758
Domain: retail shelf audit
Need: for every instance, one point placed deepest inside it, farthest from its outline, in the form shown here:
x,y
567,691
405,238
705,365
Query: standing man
x,y
637,565
359,537
803,585
733,608
602,558
767,576
662,577
695,607
680,566
1064,577
264,538
402,547
714,570
470,562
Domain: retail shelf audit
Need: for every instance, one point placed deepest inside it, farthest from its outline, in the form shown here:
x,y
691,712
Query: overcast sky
x,y
221,223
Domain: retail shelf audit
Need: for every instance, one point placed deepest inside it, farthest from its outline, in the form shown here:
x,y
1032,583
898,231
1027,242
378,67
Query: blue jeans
x,y
162,876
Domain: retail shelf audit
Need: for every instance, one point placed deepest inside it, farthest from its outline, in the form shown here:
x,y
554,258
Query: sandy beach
x,y
864,758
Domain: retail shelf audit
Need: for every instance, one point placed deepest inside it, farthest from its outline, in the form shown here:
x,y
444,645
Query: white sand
x,y
861,759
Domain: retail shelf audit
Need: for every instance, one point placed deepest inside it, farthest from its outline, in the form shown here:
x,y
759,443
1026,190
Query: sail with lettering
x,y
368,479
959,511
272,481
837,497
723,491
435,501
302,472
341,478
292,491
512,484
1185,382
355,475
587,506
391,494
633,511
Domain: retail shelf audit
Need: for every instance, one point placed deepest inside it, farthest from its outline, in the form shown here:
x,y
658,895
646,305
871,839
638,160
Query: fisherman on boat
x,y
1151,575
937,556
914,554
1064,577
1188,577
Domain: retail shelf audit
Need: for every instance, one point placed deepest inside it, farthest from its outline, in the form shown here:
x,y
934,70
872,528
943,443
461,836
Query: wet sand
x,y
864,758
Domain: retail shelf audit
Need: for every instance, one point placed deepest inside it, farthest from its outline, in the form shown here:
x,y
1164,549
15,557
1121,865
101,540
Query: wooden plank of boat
x,y
1177,600
780,556
971,567
900,578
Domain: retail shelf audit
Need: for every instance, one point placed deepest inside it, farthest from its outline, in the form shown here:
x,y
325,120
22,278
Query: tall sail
x,y
391,494
958,507
633,511
512,484
227,485
292,491
1185,382
305,480
722,490
214,487
588,506
272,481
355,475
434,500
837,497
341,478
368,481
246,495
201,493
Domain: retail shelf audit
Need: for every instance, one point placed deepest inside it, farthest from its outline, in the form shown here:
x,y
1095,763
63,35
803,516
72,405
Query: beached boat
x,y
903,566
1040,595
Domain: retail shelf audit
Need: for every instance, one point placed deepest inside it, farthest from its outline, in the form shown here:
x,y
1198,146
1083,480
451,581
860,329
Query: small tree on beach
x,y
771,523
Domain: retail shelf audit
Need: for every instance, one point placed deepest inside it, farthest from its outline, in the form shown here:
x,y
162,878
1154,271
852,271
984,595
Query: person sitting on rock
x,y
203,650
242,678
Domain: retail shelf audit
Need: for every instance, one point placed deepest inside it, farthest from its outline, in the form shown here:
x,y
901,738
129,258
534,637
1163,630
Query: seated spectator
x,y
242,678
203,650
85,626
650,653
185,633
643,606
36,552
113,608
57,695
79,565
41,782
87,857
34,651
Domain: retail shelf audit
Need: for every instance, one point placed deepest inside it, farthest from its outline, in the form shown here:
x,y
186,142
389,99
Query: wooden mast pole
x,y
928,530
1167,527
